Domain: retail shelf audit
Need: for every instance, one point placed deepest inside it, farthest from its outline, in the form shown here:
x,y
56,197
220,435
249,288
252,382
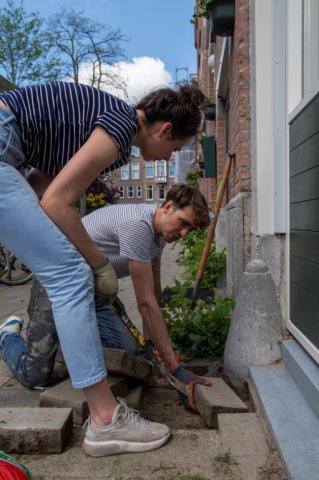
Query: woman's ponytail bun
x,y
181,107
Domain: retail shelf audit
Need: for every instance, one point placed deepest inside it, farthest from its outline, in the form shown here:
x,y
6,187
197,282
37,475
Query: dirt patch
x,y
272,469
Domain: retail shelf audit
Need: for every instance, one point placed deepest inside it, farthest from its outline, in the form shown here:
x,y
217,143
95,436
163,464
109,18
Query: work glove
x,y
105,282
188,377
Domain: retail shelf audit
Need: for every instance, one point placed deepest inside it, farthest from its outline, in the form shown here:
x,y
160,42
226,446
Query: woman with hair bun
x,y
68,133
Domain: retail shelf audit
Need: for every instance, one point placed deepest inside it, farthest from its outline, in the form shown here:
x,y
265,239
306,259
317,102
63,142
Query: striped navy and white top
x,y
56,119
125,232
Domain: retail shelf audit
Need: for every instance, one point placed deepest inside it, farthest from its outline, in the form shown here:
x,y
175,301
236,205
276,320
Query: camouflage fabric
x,y
42,339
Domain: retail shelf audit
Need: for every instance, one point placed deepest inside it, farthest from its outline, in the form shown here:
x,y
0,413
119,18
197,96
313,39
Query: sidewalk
x,y
238,450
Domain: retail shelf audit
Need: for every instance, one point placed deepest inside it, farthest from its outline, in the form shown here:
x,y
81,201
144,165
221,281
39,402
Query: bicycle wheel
x,y
12,271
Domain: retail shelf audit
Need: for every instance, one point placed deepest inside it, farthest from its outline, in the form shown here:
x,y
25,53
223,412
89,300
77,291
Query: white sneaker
x,y
128,432
11,325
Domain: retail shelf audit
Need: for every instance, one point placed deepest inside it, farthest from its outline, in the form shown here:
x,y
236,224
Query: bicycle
x,y
12,271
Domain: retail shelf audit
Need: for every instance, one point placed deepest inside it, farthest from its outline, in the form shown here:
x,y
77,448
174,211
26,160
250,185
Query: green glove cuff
x,y
102,265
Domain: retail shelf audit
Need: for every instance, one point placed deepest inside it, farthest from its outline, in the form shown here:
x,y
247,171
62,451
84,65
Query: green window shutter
x,y
209,154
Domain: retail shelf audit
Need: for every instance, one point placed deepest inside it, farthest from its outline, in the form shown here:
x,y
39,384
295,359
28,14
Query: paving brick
x,y
241,433
35,430
134,398
125,363
4,369
219,398
64,395
18,397
3,381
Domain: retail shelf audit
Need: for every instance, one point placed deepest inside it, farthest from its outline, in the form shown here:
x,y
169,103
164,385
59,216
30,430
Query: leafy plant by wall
x,y
202,331
190,255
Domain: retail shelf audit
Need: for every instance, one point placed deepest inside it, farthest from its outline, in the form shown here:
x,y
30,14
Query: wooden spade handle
x,y
211,230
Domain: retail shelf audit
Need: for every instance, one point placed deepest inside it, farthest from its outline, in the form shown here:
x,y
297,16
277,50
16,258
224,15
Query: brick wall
x,y
233,112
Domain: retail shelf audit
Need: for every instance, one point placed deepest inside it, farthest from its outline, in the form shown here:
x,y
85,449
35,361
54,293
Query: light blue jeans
x,y
29,233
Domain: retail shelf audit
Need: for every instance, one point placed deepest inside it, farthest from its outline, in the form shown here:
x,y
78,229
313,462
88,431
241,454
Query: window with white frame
x,y
310,45
125,172
161,192
130,192
160,168
135,171
149,169
139,192
121,191
172,168
149,192
135,151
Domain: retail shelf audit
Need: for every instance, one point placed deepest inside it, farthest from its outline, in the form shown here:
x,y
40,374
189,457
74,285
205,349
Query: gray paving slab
x,y
18,397
218,398
241,434
39,430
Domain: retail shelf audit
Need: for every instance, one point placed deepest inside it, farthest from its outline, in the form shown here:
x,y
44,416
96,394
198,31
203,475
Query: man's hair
x,y
184,196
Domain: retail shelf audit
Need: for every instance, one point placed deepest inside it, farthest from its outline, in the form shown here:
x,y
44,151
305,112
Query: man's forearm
x,y
156,328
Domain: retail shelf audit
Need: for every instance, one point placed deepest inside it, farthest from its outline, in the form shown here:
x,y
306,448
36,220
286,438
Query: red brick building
x,y
223,71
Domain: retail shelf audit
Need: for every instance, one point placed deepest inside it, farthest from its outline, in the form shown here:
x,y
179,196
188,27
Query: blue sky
x,y
157,28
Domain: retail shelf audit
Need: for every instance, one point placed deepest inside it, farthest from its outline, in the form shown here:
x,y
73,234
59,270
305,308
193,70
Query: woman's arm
x,y
59,200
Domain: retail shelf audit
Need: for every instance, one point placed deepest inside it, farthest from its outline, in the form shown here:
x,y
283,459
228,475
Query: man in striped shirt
x,y
133,237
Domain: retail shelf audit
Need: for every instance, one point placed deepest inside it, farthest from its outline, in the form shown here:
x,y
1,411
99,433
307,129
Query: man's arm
x,y
156,267
39,181
143,282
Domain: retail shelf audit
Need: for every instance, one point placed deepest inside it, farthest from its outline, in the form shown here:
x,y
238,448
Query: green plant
x,y
94,201
203,10
208,102
192,177
198,332
225,457
190,255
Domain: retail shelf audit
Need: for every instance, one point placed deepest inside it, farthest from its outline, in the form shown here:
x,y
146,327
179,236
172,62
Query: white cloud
x,y
141,76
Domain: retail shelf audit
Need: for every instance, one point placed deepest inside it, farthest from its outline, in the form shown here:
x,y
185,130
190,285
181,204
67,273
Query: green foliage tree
x,y
24,54
78,40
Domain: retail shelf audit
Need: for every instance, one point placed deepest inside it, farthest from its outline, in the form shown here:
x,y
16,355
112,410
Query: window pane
x,y
171,168
135,152
125,173
160,168
139,191
149,192
135,171
161,192
149,169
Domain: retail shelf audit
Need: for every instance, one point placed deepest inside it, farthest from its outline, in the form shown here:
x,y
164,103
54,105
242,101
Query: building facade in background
x,y
140,181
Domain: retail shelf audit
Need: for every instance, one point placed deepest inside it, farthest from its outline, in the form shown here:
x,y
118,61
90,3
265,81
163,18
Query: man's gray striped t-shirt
x,y
125,232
